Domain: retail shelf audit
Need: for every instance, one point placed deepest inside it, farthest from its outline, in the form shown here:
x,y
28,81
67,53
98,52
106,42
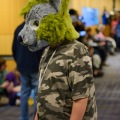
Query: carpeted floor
x,y
108,90
107,94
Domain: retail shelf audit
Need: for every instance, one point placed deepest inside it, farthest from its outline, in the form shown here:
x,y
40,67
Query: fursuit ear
x,y
56,4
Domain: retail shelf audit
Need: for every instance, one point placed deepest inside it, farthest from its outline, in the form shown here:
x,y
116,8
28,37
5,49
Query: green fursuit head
x,y
54,27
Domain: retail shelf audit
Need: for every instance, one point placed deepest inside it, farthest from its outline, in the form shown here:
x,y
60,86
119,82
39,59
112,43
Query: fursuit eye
x,y
36,23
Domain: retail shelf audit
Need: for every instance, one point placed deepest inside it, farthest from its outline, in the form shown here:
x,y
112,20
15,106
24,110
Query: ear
x,y
57,4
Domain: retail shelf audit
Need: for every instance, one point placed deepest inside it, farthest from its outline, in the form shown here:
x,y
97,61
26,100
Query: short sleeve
x,y
80,74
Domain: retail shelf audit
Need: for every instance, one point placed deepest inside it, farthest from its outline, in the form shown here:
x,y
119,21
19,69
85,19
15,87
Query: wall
x,y
99,4
9,19
118,4
11,65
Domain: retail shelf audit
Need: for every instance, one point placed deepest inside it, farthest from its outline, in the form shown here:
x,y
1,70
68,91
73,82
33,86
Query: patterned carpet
x,y
107,94
108,90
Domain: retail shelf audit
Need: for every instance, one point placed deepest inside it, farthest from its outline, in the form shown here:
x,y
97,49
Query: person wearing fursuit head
x,y
66,86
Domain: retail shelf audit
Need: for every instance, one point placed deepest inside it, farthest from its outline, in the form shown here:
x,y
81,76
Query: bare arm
x,y
78,109
5,85
36,117
17,89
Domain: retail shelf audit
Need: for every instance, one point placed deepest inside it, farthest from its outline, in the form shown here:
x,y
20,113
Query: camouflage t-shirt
x,y
68,77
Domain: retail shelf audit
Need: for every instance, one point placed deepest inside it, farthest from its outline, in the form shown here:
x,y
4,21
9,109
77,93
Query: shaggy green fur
x,y
54,28
64,7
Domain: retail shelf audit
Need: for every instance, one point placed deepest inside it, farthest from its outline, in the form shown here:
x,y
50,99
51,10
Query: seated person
x,y
103,47
3,72
94,52
105,41
12,81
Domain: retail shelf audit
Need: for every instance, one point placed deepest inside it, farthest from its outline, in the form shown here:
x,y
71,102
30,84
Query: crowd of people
x,y
99,45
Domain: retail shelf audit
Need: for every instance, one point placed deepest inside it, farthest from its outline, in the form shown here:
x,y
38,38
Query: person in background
x,y
105,17
114,24
78,25
118,33
94,50
28,65
107,42
100,37
3,73
12,80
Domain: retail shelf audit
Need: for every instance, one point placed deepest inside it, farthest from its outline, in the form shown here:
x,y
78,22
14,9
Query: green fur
x,y
64,7
54,28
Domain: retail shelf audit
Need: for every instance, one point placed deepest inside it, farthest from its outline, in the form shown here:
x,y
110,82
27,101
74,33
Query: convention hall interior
x,y
98,25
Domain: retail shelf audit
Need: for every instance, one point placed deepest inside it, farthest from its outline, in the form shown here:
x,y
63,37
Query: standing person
x,y
105,17
118,33
114,23
66,86
27,64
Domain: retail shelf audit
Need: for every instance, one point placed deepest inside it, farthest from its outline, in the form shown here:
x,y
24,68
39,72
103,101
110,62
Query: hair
x,y
73,12
88,30
2,61
54,28
101,27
